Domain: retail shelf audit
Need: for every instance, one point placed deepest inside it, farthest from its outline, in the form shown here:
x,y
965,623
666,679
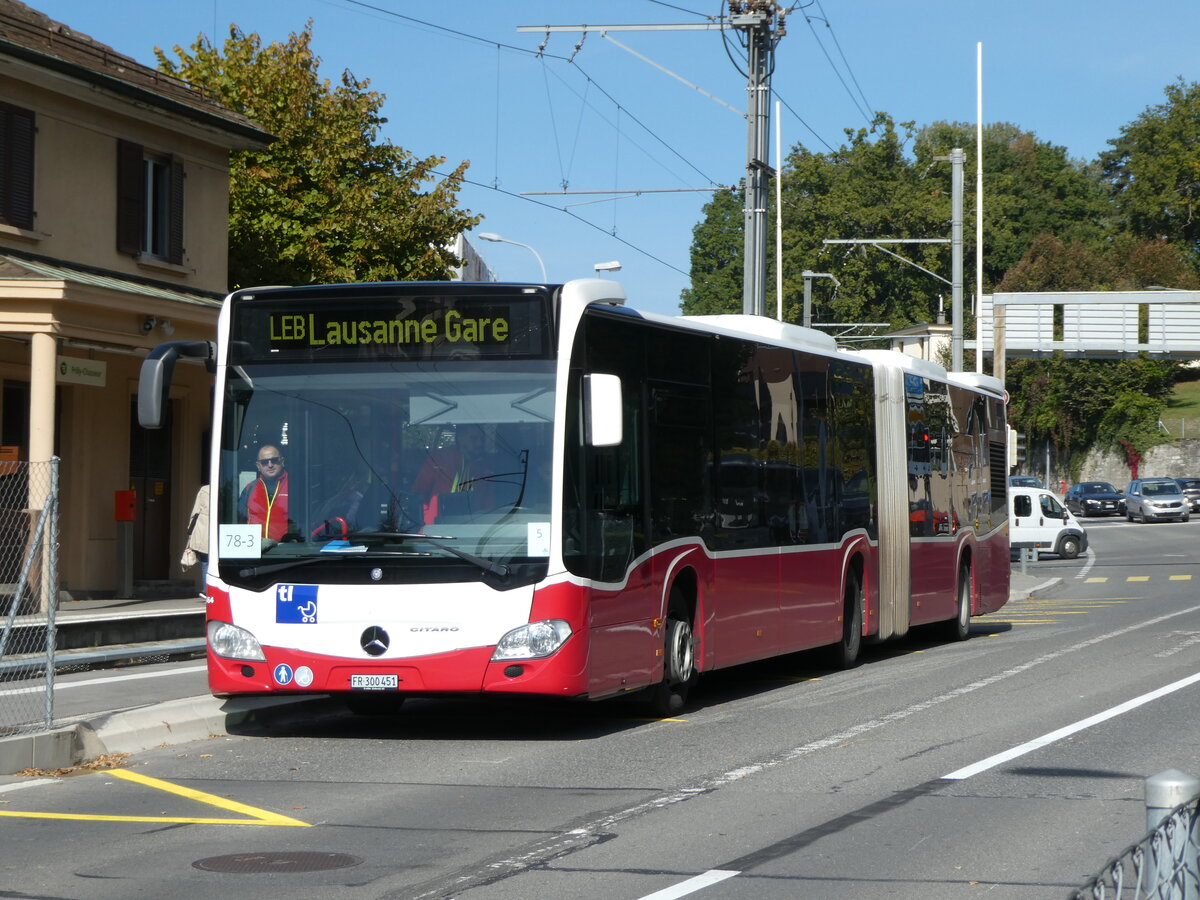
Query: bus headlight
x,y
232,642
533,641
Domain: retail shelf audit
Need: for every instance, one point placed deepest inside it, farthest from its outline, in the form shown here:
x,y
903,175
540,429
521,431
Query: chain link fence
x,y
28,594
1163,865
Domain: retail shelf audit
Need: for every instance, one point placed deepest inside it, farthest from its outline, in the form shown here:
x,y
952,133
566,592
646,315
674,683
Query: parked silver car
x,y
1149,499
1191,487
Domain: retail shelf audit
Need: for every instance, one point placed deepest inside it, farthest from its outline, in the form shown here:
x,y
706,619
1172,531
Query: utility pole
x,y
957,160
755,19
762,24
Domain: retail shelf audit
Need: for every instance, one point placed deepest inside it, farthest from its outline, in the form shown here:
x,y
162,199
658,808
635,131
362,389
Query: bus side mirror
x,y
602,410
154,381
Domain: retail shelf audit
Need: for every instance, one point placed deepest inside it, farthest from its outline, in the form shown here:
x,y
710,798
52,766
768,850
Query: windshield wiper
x,y
251,571
439,540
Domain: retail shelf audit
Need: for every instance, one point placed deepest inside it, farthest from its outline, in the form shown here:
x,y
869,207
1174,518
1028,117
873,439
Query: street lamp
x,y
495,238
613,266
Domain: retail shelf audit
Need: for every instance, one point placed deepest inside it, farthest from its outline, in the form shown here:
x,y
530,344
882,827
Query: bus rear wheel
x,y
669,696
959,628
845,652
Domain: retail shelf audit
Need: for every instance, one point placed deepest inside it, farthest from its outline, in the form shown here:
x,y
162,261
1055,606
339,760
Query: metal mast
x,y
755,18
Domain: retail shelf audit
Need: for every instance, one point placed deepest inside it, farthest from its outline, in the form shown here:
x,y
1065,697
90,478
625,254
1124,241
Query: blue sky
x,y
1073,72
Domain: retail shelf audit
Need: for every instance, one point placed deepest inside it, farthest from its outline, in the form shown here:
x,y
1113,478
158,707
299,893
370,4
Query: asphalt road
x,y
1012,765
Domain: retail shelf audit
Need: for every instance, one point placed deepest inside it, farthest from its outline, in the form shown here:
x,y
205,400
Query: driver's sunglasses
x,y
271,461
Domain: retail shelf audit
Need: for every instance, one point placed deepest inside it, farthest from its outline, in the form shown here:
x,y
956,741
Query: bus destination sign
x,y
333,328
276,327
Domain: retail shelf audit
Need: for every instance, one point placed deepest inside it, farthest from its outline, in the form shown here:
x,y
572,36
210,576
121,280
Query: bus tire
x,y
669,696
845,654
959,628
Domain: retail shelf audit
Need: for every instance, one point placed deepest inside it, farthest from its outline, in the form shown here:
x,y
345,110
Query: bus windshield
x,y
419,462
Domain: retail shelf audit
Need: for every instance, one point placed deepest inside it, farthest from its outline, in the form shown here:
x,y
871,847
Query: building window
x,y
16,166
149,204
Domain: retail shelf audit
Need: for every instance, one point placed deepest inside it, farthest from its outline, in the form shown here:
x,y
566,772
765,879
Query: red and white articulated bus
x,y
535,489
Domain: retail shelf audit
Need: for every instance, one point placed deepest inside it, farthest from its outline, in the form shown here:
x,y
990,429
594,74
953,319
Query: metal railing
x,y
1165,864
28,594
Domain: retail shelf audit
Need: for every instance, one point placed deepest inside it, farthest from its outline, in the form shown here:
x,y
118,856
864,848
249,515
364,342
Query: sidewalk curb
x,y
1024,587
1040,590
134,730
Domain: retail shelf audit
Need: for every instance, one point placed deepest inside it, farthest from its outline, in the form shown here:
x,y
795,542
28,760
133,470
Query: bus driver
x,y
265,500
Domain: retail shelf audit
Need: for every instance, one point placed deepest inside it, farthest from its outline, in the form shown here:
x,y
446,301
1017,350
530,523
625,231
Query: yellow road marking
x,y
1022,621
1112,602
254,815
1096,579
1138,578
1181,577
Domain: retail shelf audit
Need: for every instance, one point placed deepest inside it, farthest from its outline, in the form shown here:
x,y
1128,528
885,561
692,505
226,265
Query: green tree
x,y
717,258
1031,186
869,188
1154,169
326,201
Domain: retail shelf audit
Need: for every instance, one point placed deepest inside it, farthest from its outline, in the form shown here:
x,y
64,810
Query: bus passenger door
x,y
614,545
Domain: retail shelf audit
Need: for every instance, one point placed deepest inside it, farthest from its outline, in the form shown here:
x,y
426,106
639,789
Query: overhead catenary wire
x,y
621,109
690,12
845,62
542,55
496,128
533,53
608,37
629,244
800,119
808,20
562,176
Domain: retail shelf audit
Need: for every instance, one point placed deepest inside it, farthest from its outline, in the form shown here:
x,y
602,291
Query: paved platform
x,y
110,631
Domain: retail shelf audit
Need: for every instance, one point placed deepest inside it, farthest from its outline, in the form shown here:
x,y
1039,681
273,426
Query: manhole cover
x,y
256,863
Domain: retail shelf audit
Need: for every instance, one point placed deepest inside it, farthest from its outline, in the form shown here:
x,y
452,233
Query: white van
x,y
1036,519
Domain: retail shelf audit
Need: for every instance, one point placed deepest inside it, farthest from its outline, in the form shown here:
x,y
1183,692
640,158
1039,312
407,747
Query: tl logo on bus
x,y
296,604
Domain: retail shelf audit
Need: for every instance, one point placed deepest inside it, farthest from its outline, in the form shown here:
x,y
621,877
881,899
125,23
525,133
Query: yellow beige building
x,y
114,192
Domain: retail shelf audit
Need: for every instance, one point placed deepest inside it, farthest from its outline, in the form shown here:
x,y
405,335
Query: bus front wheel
x,y
668,697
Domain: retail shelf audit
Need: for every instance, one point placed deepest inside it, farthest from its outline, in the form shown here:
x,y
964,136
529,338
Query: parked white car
x,y
1037,519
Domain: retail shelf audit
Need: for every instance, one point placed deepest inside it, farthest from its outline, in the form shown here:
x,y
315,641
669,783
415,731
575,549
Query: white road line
x,y
712,876
111,679
21,785
1087,567
1045,740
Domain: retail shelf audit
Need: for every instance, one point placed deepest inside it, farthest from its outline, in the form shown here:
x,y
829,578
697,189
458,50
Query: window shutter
x,y
16,166
175,227
131,197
